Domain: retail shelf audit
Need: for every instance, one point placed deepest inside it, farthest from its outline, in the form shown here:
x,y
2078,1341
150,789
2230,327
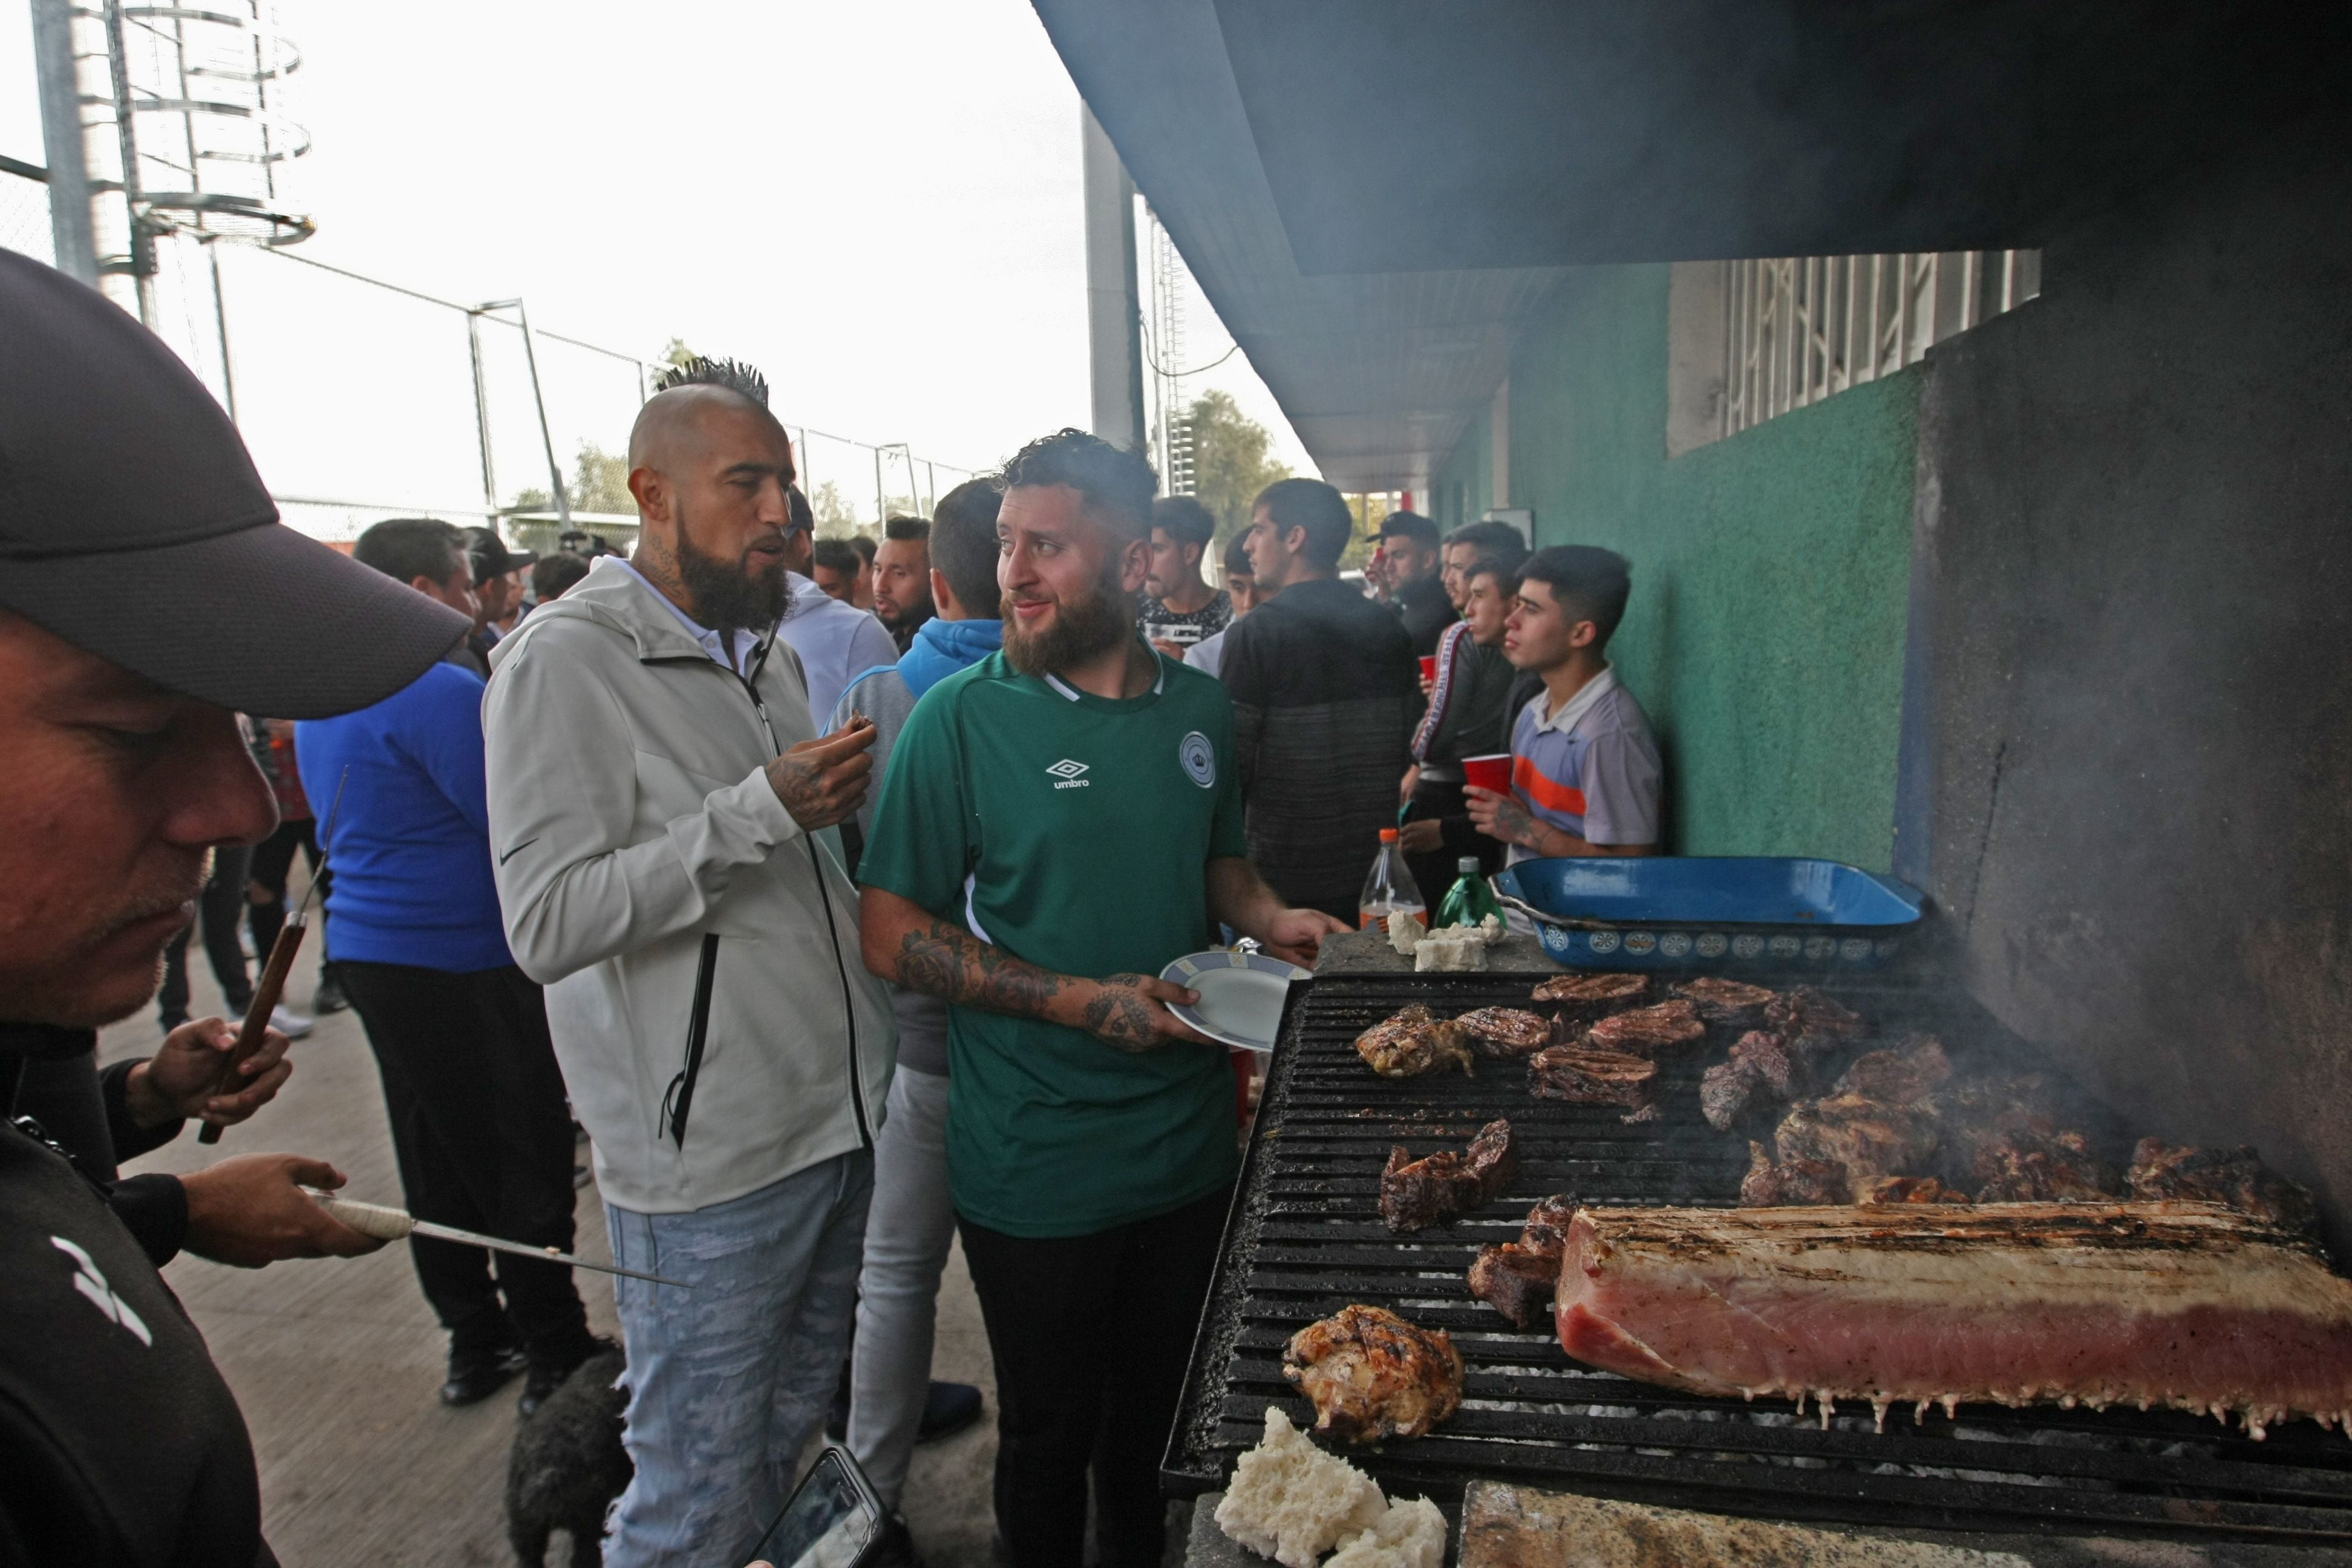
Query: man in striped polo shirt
x,y
1584,767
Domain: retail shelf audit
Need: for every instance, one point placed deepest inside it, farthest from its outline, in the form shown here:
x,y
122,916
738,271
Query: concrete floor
x,y
336,1362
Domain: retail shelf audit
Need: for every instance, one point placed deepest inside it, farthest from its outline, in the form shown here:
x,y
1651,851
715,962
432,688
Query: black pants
x,y
220,908
273,866
1090,1335
1436,873
484,1142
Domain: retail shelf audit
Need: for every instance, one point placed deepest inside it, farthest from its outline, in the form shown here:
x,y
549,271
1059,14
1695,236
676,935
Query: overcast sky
x,y
876,202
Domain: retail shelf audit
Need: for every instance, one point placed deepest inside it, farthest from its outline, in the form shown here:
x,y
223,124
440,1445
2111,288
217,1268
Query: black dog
x,y
568,1465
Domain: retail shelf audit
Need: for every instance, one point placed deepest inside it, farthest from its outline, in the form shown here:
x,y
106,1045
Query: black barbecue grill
x,y
1305,1237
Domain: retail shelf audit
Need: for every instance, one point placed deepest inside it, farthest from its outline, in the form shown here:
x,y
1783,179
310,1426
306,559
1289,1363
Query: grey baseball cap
x,y
132,524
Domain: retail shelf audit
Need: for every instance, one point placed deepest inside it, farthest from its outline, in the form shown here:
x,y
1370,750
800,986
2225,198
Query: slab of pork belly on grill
x,y
1516,1278
1582,1075
1763,1070
1645,1031
2236,1177
1721,1001
1372,1375
2187,1305
1417,1193
1775,1183
1413,1042
1505,1032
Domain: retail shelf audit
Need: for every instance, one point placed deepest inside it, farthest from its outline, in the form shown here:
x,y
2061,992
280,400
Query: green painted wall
x,y
1460,490
1771,572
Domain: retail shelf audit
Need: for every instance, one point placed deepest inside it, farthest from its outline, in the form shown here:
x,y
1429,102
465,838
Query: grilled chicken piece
x,y
1516,1278
1660,1027
1373,1375
1505,1032
1806,1011
1589,995
1413,1043
1772,1183
1722,1001
2236,1177
1582,1075
1423,1192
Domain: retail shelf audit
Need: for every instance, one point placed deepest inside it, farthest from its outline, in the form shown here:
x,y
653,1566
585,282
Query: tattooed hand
x,y
1130,1012
823,782
1499,816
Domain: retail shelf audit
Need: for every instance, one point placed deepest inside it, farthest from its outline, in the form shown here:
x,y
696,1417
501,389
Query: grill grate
x,y
1305,1239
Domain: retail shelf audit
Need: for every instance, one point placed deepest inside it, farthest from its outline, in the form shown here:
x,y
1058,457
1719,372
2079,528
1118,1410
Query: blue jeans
x,y
907,1240
729,1381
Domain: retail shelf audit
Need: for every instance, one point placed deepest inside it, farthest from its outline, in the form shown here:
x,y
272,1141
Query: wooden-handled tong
x,y
272,985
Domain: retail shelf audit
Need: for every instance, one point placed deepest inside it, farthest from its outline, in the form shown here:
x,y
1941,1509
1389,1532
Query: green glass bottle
x,y
1470,900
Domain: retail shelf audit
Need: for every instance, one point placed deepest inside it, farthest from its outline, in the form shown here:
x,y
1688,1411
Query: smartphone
x,y
833,1519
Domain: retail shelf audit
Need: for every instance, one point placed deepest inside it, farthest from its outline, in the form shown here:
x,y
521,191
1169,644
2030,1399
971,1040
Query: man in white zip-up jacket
x,y
656,789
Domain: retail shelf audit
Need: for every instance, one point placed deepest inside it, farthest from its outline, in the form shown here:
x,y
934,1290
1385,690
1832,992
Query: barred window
x,y
1753,339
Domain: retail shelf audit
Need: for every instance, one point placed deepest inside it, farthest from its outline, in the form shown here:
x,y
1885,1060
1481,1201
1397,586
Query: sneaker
x,y
289,1023
475,1375
947,1408
328,998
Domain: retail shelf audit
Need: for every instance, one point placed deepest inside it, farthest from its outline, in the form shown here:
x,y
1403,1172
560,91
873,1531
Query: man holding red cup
x,y
1584,767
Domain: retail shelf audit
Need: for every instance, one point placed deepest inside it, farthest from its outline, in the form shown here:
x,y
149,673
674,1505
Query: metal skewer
x,y
393,1225
272,985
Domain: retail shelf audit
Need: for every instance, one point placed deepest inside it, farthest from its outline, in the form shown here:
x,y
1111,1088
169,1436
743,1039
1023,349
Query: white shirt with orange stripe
x,y
1590,768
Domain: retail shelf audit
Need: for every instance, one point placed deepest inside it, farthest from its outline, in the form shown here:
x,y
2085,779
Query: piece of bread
x,y
1410,1535
1291,1501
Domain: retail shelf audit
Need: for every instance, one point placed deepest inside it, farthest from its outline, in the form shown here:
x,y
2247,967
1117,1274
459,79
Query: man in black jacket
x,y
1410,555
129,514
1326,689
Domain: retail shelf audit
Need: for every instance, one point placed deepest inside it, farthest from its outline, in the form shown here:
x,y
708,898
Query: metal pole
x,y
142,242
481,409
880,513
70,233
220,319
546,437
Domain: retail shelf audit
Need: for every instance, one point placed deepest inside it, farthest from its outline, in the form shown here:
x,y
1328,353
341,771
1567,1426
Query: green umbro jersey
x,y
1073,831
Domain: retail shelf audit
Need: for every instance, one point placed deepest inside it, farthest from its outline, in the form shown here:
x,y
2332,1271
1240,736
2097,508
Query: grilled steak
x,y
1726,1091
1794,1013
2055,1167
2234,1176
1423,1192
1505,1032
1772,1183
1660,1027
1866,1139
1516,1278
1584,1076
1912,1070
1912,1190
1721,1001
1373,1375
1413,1043
2187,1305
1593,994
1762,1070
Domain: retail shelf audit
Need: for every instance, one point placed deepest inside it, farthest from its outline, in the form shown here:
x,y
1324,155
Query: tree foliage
x,y
1230,464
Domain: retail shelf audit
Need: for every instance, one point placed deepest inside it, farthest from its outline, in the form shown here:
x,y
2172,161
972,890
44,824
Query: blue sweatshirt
x,y
410,848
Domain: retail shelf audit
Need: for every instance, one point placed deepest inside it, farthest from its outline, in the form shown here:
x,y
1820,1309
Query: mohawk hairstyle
x,y
731,373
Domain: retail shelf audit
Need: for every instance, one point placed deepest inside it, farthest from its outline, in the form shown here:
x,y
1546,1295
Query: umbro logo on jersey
x,y
1066,775
92,1284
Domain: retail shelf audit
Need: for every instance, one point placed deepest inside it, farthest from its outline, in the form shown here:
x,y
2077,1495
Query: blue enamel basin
x,y
1714,912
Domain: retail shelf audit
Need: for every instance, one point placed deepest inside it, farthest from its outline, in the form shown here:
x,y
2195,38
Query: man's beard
x,y
726,597
1091,626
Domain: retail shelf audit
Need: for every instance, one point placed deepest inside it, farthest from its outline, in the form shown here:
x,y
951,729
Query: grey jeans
x,y
729,1381
907,1234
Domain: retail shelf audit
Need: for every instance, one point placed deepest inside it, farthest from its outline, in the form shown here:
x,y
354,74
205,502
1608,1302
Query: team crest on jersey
x,y
1199,758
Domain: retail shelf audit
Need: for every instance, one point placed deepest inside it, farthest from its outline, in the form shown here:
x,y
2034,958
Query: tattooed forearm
x,y
1515,825
1118,1016
950,963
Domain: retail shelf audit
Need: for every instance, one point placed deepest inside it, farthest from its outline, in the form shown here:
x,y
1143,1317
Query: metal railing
x,y
1800,329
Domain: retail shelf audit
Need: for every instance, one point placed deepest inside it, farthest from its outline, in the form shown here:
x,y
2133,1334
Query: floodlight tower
x,y
159,120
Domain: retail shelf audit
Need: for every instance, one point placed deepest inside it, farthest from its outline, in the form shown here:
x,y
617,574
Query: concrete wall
x,y
1766,632
2136,576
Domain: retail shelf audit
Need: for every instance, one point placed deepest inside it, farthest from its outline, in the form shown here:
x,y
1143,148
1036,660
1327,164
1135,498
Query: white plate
x,y
1241,994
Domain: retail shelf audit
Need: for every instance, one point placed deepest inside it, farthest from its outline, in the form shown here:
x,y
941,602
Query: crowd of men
x,y
828,891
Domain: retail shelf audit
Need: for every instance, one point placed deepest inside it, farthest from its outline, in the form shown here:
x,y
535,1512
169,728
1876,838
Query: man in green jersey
x,y
1059,822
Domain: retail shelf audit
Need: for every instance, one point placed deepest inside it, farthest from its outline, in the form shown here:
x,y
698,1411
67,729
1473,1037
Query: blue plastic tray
x,y
1692,912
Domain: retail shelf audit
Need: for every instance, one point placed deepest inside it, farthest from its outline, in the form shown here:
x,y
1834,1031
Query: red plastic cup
x,y
1490,772
1429,667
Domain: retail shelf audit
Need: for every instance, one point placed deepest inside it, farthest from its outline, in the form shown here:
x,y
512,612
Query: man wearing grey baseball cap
x,y
148,593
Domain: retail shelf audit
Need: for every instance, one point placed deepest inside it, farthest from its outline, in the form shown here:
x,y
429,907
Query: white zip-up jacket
x,y
652,881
